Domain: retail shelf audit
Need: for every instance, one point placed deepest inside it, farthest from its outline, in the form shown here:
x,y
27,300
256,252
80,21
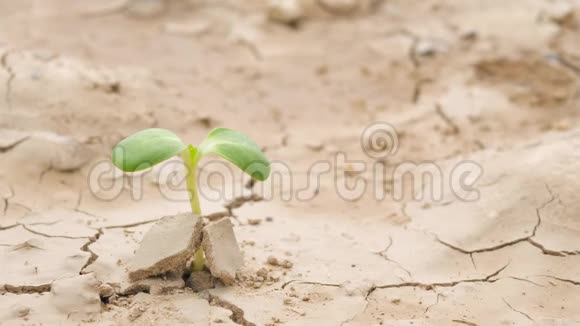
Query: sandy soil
x,y
491,82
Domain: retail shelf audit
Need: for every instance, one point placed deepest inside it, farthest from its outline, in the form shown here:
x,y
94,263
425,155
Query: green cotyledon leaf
x,y
145,149
237,148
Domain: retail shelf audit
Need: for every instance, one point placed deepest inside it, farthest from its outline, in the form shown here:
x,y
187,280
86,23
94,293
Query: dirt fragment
x,y
76,294
239,201
273,261
136,313
19,310
262,272
315,146
167,246
256,280
221,249
200,281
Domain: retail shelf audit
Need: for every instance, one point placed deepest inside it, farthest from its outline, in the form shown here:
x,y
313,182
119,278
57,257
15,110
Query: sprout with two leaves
x,y
149,147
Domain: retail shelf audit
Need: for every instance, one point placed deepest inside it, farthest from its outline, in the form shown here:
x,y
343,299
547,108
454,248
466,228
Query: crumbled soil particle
x,y
273,261
200,281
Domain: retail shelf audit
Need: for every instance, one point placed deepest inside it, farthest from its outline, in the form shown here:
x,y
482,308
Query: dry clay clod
x,y
200,281
221,249
167,246
79,294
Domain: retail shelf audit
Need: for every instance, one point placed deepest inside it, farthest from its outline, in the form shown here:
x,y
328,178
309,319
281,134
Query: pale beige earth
x,y
492,82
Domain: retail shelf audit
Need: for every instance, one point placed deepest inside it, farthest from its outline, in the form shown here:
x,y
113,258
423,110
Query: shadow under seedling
x,y
174,240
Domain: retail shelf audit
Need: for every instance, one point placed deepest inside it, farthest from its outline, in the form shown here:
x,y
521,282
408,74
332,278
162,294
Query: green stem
x,y
191,178
190,162
198,260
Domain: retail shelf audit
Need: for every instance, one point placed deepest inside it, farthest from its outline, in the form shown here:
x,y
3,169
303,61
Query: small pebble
x,y
315,146
262,272
285,11
425,48
20,310
105,290
273,261
286,264
469,35
249,243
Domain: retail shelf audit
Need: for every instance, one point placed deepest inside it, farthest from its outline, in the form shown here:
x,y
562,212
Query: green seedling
x,y
149,147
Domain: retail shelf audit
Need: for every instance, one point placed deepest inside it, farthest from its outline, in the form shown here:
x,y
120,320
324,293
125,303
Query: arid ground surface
x,y
490,82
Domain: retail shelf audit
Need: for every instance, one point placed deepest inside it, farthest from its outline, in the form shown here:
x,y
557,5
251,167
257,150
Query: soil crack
x,y
412,52
131,224
528,238
385,254
453,127
309,283
418,89
86,248
515,310
240,201
237,315
6,66
431,286
566,64
48,235
25,289
468,323
562,280
439,295
546,251
357,314
14,145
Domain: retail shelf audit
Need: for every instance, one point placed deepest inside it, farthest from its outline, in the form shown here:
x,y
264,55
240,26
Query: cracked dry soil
x,y
484,81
